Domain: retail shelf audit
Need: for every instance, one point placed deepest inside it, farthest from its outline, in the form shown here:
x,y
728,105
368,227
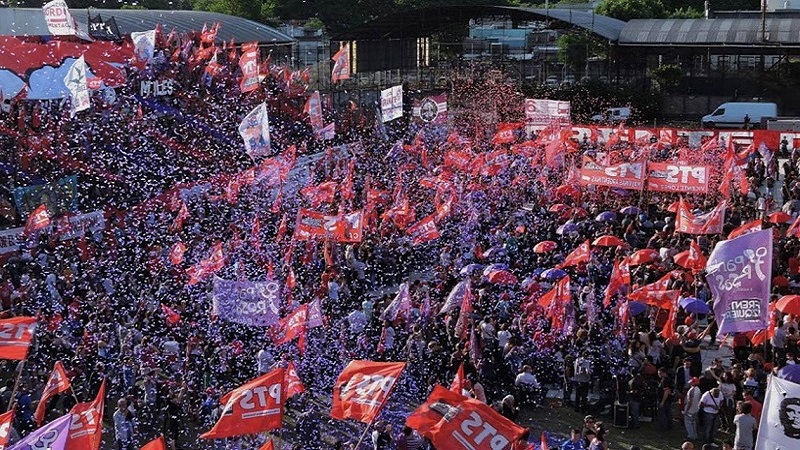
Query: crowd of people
x,y
106,301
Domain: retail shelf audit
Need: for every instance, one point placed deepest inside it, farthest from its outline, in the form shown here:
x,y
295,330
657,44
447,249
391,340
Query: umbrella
x,y
494,252
606,216
558,207
643,256
569,191
492,267
528,283
502,277
607,241
552,274
469,269
630,210
574,213
636,308
695,306
545,247
780,217
568,227
789,304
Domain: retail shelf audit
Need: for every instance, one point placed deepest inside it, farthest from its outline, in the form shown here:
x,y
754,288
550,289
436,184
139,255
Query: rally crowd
x,y
115,306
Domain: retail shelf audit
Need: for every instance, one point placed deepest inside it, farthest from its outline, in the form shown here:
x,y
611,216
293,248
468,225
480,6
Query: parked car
x,y
552,80
613,115
732,114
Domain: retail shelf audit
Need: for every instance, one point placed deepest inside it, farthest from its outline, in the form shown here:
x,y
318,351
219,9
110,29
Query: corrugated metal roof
x,y
30,22
604,26
718,32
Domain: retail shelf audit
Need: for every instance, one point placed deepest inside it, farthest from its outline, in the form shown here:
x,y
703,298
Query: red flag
x,y
56,384
87,423
620,276
183,214
317,195
248,64
156,444
252,408
363,388
709,223
208,266
452,421
290,327
464,314
558,294
457,385
505,132
282,229
341,64
794,228
423,231
267,446
544,442
696,260
172,316
16,335
177,252
749,227
38,219
579,255
256,232
5,428
292,383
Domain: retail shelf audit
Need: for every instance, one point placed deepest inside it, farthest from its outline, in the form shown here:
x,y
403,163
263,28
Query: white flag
x,y
254,129
144,44
59,20
780,418
400,304
75,80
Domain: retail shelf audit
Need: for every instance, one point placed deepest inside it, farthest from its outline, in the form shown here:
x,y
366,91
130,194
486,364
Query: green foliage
x,y
632,9
666,76
249,9
575,48
686,13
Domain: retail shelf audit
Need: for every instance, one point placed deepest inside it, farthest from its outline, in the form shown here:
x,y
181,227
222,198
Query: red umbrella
x,y
607,241
789,304
575,213
643,256
780,217
545,247
569,191
502,277
558,207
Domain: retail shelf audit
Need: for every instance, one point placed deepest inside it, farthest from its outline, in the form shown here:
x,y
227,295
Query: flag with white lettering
x,y
16,335
59,20
254,303
5,428
86,428
363,388
341,64
57,384
75,80
739,272
253,407
248,64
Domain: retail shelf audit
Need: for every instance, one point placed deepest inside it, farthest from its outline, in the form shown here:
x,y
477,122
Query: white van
x,y
613,115
732,114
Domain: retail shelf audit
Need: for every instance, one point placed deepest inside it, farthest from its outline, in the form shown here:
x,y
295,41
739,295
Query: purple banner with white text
x,y
255,303
739,272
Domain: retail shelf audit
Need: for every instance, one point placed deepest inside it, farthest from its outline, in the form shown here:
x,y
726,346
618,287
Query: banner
x,y
430,109
739,273
52,436
60,197
5,428
11,239
454,422
75,81
254,303
144,45
341,64
708,223
669,177
363,388
248,63
392,103
157,88
622,175
104,30
779,428
313,108
423,231
343,227
252,408
539,112
254,129
16,335
58,18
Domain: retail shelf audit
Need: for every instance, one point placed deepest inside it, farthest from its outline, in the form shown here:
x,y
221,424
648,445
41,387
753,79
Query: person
x,y
747,121
382,436
746,426
408,439
123,426
527,384
636,389
665,397
589,430
599,442
687,446
710,403
574,442
582,379
691,407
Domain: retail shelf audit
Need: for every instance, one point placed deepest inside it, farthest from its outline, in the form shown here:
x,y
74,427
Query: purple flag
x,y
315,314
52,436
255,303
400,304
739,272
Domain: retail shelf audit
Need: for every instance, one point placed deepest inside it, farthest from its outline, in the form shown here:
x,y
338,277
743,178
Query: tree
x,y
575,48
249,9
686,13
632,9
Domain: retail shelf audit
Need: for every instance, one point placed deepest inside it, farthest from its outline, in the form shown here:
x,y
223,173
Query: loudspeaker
x,y
621,413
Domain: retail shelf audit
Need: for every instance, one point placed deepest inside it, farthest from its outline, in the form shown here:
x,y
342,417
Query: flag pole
x,y
363,435
73,394
13,399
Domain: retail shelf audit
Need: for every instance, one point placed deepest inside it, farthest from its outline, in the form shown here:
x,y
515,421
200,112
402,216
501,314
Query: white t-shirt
x,y
710,403
503,336
692,400
357,320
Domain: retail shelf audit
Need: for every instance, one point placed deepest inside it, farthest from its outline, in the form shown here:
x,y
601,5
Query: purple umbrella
x,y
492,267
553,274
568,227
636,308
469,269
697,307
606,216
630,210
